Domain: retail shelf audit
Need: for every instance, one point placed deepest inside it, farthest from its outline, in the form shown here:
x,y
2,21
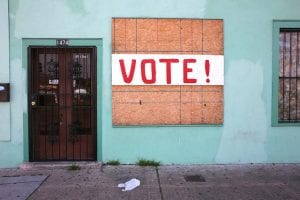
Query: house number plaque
x,y
62,42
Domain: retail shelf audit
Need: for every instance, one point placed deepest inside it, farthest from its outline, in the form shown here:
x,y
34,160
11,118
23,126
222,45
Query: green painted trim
x,y
275,57
97,42
285,124
277,25
25,114
25,137
99,99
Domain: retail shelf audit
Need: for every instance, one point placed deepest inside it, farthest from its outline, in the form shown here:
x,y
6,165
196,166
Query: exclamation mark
x,y
207,68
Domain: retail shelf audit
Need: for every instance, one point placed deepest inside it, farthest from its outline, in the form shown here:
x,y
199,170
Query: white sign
x,y
167,69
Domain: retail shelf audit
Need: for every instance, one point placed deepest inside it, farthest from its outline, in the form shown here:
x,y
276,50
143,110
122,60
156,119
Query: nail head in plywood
x,y
213,113
146,114
187,35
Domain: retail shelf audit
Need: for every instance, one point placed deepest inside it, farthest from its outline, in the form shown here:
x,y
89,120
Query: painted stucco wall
x,y
245,137
4,69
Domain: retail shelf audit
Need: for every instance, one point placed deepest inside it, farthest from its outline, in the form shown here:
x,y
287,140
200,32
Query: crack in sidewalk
x,y
158,180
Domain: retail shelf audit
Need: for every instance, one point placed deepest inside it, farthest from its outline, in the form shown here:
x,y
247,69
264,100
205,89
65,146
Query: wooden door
x,y
62,103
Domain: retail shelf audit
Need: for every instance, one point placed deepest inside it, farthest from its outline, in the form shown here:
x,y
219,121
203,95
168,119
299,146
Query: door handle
x,y
34,100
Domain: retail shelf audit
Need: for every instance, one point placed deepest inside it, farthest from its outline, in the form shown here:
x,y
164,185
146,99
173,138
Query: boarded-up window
x,y
172,103
289,76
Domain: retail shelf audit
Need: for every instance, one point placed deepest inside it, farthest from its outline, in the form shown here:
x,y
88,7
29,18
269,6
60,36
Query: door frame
x,y
73,42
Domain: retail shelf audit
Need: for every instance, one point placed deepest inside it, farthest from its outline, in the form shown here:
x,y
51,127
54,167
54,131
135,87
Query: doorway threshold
x,y
59,165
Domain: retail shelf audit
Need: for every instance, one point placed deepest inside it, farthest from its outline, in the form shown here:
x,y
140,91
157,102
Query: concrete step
x,y
58,165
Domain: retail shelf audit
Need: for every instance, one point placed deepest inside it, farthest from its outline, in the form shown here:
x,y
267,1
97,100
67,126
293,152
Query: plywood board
x,y
167,104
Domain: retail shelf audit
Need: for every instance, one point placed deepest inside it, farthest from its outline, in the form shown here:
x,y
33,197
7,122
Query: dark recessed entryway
x,y
62,103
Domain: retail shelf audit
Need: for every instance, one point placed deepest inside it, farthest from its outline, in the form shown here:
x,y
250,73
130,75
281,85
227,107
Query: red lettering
x,y
186,70
168,67
153,71
127,79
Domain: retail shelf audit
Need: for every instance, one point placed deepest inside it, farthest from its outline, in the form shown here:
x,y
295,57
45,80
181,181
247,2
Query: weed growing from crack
x,y
113,162
145,162
74,167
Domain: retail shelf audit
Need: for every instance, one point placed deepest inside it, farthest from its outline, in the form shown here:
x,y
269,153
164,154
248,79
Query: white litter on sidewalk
x,y
130,185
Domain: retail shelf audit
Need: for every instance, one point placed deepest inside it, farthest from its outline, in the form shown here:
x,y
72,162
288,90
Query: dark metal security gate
x,y
62,103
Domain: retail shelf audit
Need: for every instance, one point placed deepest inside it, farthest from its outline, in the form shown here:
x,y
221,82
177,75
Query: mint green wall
x,y
4,69
246,136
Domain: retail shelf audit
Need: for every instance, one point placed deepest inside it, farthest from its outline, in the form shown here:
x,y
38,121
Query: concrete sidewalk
x,y
280,181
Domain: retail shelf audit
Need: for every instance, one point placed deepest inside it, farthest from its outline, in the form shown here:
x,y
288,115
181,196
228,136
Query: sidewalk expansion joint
x,y
158,180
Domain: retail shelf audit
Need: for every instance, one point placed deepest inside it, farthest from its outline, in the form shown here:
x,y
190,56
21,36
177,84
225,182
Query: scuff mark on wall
x,y
245,128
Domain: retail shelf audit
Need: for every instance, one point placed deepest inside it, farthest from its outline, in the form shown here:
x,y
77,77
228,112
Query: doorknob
x,y
34,99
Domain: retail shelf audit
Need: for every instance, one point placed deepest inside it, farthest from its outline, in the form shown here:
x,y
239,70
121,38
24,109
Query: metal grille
x,y
194,178
62,103
289,76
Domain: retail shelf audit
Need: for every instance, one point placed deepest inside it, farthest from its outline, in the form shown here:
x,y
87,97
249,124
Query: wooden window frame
x,y
277,26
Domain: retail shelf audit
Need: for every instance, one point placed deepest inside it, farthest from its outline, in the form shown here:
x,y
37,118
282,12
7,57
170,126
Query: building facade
x,y
60,98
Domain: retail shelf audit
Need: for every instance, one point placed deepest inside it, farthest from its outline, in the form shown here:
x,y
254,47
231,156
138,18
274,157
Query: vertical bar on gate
x,y
31,140
34,62
87,103
79,105
55,101
45,109
73,91
57,106
283,75
64,108
297,62
88,76
77,94
84,76
71,103
93,97
34,124
51,118
61,102
94,102
93,113
290,75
